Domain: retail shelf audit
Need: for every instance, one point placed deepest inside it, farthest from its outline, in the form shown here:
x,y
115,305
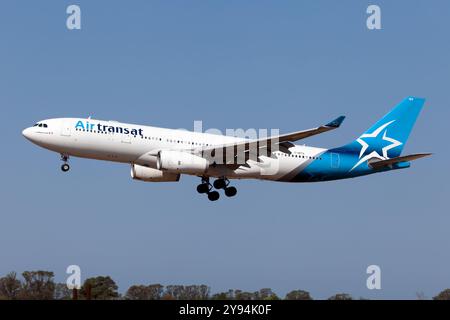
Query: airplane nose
x,y
27,133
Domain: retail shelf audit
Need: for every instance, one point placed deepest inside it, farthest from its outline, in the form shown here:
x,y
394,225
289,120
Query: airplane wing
x,y
294,136
388,162
248,148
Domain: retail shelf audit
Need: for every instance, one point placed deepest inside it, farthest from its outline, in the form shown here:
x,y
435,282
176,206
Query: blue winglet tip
x,y
414,98
336,122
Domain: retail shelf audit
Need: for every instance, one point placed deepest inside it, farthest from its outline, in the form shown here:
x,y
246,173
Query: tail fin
x,y
387,137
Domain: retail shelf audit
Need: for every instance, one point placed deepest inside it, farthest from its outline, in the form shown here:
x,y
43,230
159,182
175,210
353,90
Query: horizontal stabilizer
x,y
388,162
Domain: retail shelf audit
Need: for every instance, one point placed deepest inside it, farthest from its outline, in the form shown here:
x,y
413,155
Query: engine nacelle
x,y
181,162
152,175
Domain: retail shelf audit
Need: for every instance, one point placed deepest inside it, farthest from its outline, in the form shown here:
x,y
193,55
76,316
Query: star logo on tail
x,y
370,150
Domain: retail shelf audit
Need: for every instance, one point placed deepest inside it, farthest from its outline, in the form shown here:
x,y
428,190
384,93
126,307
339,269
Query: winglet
x,y
336,122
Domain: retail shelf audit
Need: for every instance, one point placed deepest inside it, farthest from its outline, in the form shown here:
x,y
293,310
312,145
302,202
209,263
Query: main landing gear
x,y
221,183
65,167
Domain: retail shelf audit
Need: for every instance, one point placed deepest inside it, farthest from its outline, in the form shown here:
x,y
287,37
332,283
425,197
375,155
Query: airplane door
x,y
335,160
66,129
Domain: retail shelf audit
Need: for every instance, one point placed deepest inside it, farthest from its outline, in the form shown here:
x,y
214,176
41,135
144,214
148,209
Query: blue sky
x,y
232,64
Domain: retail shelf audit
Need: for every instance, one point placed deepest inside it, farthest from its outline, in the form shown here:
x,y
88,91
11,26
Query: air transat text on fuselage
x,y
108,128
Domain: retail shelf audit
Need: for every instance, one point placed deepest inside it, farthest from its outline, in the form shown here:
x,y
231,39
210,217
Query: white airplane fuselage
x,y
137,144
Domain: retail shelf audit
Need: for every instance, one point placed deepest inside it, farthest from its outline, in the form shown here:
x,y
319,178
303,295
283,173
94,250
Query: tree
x,y
243,295
197,292
137,293
101,288
155,291
443,295
220,296
38,285
62,292
229,295
10,286
167,296
193,292
273,296
140,292
265,294
341,296
173,291
298,295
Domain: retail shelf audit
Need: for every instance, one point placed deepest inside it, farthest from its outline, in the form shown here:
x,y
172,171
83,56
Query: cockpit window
x,y
41,125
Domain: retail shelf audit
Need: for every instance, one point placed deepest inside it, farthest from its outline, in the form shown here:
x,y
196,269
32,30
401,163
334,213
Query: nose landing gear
x,y
65,167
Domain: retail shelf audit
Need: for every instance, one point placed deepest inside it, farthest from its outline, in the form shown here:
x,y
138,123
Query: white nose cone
x,y
27,133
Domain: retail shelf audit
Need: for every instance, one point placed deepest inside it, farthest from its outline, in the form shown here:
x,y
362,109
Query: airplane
x,y
163,155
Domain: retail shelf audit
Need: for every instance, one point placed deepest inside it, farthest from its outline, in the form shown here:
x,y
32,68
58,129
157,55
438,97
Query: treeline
x,y
40,285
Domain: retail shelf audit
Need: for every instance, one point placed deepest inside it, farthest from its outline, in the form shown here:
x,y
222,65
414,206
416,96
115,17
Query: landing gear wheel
x,y
220,184
230,191
213,196
65,167
203,188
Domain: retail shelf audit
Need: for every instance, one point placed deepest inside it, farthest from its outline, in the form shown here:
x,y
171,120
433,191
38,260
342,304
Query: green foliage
x,y
192,292
38,285
101,288
137,293
229,295
243,295
443,295
9,287
62,292
140,292
298,295
341,296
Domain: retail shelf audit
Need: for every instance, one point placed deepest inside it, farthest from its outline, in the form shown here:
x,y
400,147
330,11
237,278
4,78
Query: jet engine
x,y
181,162
152,175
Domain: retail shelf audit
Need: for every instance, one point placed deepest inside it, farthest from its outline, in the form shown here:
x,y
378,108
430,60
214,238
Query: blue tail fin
x,y
387,137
